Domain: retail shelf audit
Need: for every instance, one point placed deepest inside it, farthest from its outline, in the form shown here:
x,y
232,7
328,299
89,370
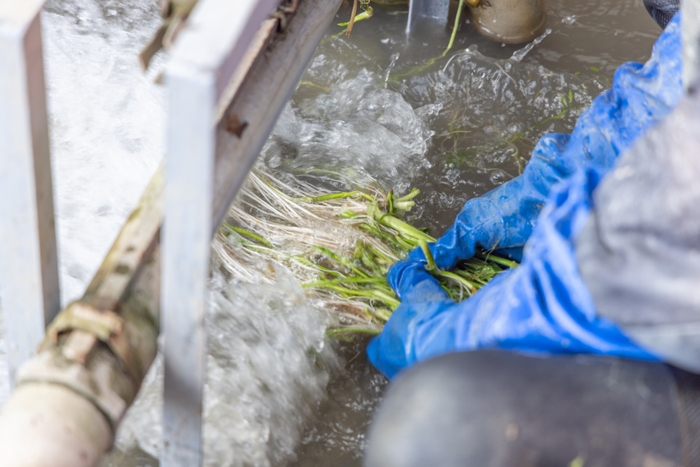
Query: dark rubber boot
x,y
501,409
662,10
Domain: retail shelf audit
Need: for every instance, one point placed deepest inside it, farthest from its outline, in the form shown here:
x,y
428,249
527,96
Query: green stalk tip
x,y
414,192
455,28
249,234
431,266
497,259
339,331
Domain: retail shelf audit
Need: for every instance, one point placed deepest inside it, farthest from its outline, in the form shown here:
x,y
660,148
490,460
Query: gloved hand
x,y
542,305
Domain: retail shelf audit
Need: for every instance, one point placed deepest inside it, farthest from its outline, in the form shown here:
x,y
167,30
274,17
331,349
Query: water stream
x,y
278,392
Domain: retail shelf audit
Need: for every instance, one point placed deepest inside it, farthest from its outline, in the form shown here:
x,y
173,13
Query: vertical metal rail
x,y
203,63
28,260
691,42
426,14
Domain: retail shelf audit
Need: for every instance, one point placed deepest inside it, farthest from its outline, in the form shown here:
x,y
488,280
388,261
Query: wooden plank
x,y
133,245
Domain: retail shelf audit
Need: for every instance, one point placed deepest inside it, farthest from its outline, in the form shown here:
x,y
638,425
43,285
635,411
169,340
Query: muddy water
x,y
484,106
367,108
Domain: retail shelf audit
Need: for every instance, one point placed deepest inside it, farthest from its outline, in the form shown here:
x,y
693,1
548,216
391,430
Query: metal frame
x,y
28,265
203,62
434,12
223,106
227,85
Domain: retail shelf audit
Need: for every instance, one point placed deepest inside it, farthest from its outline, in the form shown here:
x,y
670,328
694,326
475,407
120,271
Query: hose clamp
x,y
87,327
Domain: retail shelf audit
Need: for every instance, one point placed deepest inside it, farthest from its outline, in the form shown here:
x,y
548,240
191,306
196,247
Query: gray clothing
x,y
639,253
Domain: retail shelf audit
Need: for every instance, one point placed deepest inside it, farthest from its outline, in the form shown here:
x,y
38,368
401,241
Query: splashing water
x,y
267,369
357,126
455,130
107,125
518,55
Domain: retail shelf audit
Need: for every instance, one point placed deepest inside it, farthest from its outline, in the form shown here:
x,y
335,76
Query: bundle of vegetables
x,y
338,245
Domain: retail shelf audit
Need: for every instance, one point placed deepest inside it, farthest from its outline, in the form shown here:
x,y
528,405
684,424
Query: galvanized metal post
x,y
28,260
203,62
434,13
691,42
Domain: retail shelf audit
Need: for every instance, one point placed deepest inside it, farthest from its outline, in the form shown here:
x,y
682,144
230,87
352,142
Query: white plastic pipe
x,y
47,425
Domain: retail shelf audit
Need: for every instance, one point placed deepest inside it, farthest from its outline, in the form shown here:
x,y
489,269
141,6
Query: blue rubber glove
x,y
543,305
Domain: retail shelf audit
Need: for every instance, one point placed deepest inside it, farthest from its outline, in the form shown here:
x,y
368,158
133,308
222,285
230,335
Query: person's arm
x,y
543,305
503,218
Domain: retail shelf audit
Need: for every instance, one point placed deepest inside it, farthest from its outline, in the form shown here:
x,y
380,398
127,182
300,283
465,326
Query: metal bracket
x,y
426,14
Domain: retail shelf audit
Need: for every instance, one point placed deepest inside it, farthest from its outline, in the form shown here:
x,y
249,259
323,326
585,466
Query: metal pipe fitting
x,y
510,21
